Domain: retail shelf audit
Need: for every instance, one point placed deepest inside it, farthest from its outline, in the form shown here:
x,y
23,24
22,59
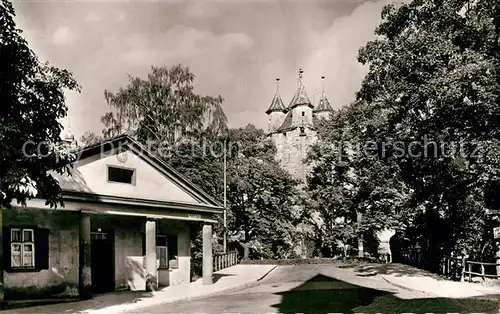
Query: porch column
x,y
1,256
208,265
84,270
184,253
151,269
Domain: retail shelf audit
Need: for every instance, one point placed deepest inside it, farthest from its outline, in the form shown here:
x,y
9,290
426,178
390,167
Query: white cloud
x,y
63,36
201,10
334,54
183,44
119,16
238,40
93,17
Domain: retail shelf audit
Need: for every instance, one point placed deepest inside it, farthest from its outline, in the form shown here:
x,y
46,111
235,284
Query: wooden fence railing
x,y
486,270
455,268
225,260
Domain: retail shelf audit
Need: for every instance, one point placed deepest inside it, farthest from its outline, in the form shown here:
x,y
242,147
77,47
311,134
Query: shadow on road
x,y
393,269
323,294
216,277
99,301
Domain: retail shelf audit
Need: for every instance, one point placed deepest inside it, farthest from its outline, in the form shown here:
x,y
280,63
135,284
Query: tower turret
x,y
67,135
276,111
324,109
300,106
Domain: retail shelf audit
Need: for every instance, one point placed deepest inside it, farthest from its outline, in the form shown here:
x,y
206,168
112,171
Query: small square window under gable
x,y
121,175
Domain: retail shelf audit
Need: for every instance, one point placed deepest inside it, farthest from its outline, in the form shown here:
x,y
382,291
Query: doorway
x,y
102,261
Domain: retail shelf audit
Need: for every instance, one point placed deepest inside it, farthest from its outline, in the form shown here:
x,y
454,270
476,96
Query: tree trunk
x,y
359,216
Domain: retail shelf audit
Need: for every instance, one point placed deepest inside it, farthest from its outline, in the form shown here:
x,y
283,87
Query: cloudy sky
x,y
236,49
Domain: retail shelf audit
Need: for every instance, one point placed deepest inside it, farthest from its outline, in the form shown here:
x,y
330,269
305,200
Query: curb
x,y
268,273
144,308
480,297
405,288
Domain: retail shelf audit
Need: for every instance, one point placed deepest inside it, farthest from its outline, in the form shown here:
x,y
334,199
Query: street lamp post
x,y
225,211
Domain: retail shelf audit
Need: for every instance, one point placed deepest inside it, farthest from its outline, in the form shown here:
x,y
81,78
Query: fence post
x,y
497,255
470,272
449,267
462,277
482,271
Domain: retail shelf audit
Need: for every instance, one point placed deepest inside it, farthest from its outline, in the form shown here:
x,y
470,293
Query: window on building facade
x,y
166,250
121,175
162,250
303,113
22,248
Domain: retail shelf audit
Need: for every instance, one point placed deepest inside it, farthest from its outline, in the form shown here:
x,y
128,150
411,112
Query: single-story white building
x,y
125,224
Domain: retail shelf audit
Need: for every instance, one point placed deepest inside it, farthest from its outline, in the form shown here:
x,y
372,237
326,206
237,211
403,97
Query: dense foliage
x,y
188,131
32,102
261,195
431,101
163,108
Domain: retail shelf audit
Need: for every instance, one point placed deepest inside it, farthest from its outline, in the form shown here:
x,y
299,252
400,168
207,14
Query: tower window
x,y
303,113
121,175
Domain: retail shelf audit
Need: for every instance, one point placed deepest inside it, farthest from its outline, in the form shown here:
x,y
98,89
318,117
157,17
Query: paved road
x,y
318,289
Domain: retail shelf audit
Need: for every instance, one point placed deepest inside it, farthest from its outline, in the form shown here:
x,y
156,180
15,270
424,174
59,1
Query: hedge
x,y
336,261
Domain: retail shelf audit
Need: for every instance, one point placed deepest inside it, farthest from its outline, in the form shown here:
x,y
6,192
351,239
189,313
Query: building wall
x,y
62,275
90,175
299,119
181,274
128,233
292,150
275,119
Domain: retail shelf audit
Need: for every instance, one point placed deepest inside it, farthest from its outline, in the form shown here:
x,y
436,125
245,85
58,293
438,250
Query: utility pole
x,y
225,211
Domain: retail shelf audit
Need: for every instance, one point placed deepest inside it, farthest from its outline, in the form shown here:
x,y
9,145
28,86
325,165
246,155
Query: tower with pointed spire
x,y
293,128
323,109
276,111
67,135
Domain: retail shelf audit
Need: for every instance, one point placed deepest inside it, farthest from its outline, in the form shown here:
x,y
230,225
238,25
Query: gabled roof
x,y
126,142
324,104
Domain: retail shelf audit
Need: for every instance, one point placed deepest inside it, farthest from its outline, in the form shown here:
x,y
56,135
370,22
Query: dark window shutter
x,y
41,248
6,248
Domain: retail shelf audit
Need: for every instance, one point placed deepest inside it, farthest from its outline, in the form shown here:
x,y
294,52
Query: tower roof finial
x,y
299,81
323,83
277,85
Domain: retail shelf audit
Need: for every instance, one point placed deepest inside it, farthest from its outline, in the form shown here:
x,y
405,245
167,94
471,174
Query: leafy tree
x,y
356,194
164,108
434,74
261,195
90,138
32,99
188,130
